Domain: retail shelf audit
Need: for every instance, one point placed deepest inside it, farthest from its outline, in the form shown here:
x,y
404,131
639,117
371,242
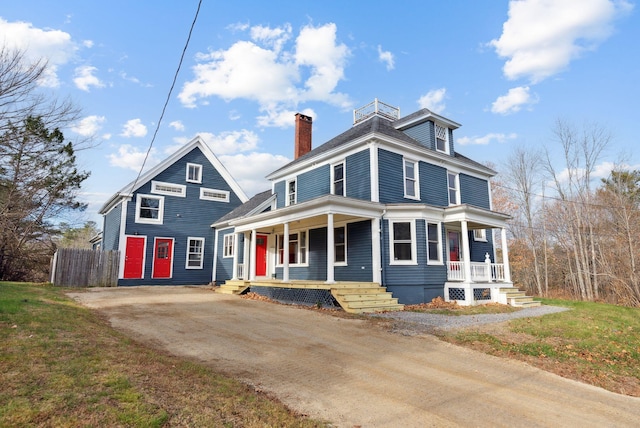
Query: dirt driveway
x,y
350,372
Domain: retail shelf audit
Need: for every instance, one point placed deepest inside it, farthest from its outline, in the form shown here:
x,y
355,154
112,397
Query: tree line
x,y
572,234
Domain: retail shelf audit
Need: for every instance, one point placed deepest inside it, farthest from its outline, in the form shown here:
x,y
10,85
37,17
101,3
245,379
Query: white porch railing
x,y
480,271
240,271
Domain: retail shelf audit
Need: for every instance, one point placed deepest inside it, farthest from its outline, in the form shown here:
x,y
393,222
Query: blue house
x,y
161,221
388,203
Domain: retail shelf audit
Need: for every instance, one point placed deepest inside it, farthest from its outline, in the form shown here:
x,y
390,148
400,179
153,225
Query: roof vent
x,y
373,108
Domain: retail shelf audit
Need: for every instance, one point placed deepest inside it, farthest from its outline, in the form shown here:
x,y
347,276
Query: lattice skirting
x,y
302,296
456,294
479,294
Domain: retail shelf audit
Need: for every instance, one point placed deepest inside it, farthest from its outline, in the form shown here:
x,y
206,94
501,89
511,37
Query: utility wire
x,y
164,108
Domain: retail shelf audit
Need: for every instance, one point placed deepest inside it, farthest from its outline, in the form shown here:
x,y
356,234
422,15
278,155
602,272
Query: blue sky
x,y
504,70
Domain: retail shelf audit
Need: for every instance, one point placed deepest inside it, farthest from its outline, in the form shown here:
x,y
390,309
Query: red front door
x,y
134,257
454,246
261,255
162,258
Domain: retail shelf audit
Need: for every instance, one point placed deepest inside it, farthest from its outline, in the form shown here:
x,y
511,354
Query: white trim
x,y
186,261
446,138
153,260
214,270
439,250
122,236
198,179
285,246
457,188
224,195
145,220
480,235
346,231
225,244
376,250
182,189
415,178
144,255
287,194
344,178
412,225
374,172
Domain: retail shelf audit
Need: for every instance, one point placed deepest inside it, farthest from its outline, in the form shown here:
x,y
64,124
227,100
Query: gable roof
x,y
128,190
254,205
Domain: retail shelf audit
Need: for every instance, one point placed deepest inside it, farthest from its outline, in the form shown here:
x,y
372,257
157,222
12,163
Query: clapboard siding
x,y
433,185
279,189
391,177
314,183
423,133
224,268
317,266
474,191
479,249
359,266
111,228
358,175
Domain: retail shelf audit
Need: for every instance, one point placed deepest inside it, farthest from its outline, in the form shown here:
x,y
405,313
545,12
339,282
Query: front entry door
x,y
453,246
134,257
162,258
261,255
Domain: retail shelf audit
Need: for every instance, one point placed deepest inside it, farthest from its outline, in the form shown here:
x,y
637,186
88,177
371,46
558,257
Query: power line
x,y
164,108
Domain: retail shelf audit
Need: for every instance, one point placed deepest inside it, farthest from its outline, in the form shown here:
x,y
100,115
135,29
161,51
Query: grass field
x,y
594,343
62,365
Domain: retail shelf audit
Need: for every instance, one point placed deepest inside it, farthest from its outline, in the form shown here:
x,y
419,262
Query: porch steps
x,y
365,297
233,287
517,298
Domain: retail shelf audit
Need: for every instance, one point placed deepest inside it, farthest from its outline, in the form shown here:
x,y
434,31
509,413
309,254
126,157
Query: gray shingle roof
x,y
245,208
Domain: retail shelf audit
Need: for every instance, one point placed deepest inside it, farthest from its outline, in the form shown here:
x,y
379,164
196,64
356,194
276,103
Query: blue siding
x,y
474,191
479,249
314,183
224,268
183,217
451,148
424,133
279,188
111,228
317,266
433,185
391,178
359,266
358,175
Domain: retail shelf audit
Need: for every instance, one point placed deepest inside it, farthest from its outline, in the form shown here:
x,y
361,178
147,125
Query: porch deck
x,y
353,297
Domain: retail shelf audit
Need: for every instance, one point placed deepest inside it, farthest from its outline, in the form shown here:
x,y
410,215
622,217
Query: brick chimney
x,y
303,135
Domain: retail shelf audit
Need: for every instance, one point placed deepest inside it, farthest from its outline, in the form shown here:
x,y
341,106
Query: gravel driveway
x,y
352,372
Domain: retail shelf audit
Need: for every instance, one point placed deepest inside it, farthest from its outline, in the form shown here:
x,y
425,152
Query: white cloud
x,y
130,157
282,118
513,101
134,128
386,57
54,45
486,139
263,70
251,169
87,43
84,78
89,125
541,37
433,100
231,142
177,125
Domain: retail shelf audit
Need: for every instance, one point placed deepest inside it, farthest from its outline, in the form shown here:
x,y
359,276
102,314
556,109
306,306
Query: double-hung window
x,y
194,173
434,246
149,209
480,235
338,179
402,241
195,253
297,248
442,139
454,192
411,188
228,245
340,244
291,192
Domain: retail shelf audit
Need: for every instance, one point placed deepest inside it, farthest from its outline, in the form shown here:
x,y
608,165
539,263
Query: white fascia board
x,y
428,115
475,215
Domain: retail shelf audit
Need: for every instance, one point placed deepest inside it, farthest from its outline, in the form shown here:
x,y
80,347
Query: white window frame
x,y
439,242
336,244
456,183
392,241
156,187
303,248
415,179
444,129
343,179
198,179
186,263
288,194
480,235
146,220
224,195
229,245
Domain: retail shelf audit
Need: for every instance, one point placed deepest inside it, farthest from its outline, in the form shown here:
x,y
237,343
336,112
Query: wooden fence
x,y
72,267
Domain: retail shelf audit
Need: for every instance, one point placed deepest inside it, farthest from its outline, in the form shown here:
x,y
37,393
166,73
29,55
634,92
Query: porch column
x,y
505,255
466,254
331,257
236,239
376,262
285,254
252,260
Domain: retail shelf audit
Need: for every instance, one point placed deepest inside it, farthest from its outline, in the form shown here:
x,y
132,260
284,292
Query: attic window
x,y
194,173
214,195
170,189
442,139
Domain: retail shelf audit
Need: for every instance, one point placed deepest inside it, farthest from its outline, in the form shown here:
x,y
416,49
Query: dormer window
x,y
442,139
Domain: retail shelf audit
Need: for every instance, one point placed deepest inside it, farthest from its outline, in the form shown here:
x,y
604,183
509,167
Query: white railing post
x,y
487,263
285,254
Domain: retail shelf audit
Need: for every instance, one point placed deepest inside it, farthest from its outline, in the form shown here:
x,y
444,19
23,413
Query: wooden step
x,y
363,299
371,290
517,298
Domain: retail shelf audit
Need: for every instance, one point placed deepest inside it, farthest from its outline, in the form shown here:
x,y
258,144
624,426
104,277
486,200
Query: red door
x,y
162,258
454,246
134,257
261,255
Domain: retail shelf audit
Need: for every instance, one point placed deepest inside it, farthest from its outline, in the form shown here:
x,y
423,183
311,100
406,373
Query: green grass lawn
x,y
593,342
62,365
